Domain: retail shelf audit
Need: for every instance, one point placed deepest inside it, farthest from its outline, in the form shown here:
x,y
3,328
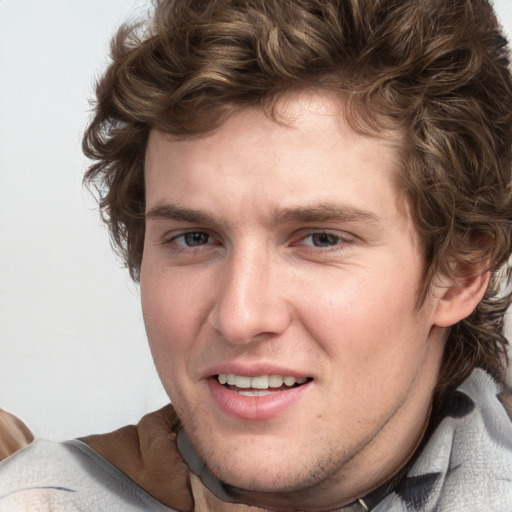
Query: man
x,y
316,199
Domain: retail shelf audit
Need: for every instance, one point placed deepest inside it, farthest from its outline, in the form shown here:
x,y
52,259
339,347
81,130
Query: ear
x,y
457,298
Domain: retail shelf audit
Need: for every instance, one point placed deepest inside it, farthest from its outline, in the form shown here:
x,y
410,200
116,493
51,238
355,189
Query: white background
x,y
73,353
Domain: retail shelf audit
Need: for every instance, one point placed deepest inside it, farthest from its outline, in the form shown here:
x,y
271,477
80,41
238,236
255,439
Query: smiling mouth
x,y
260,385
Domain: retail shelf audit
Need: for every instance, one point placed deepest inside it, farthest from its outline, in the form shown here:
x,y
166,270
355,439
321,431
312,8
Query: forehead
x,y
303,152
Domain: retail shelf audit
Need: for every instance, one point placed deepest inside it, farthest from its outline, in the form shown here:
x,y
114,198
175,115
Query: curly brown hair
x,y
437,69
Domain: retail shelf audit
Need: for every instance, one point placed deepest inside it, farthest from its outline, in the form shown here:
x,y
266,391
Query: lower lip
x,y
254,407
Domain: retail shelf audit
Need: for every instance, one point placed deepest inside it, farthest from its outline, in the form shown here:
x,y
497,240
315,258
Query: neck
x,y
338,493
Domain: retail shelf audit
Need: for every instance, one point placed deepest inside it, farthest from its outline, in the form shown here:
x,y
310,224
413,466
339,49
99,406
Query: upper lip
x,y
253,370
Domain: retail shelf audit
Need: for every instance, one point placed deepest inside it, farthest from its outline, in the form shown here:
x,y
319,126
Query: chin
x,y
262,481
265,469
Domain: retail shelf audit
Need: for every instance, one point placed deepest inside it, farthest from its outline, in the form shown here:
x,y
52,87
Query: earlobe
x,y
458,299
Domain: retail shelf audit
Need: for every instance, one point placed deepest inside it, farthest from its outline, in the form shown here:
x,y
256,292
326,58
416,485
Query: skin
x,y
247,278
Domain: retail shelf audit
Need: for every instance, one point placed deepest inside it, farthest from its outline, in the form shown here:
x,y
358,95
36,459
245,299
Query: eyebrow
x,y
323,212
174,212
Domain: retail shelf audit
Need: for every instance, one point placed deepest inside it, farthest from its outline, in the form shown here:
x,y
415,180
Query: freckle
x,y
319,416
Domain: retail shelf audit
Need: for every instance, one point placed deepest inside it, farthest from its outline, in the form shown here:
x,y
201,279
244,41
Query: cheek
x,y
167,317
374,340
165,329
171,301
366,317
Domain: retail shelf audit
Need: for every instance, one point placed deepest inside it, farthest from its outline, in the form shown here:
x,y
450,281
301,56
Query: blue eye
x,y
194,239
322,240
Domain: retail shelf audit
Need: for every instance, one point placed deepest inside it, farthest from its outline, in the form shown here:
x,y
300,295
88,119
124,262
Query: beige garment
x,y
14,434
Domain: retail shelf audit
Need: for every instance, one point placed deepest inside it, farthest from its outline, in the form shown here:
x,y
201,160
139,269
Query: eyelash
x,y
334,241
192,234
177,246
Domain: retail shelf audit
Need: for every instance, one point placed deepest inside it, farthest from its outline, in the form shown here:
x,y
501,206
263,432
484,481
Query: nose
x,y
250,304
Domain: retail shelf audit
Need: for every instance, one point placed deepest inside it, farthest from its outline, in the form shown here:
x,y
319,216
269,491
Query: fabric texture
x,y
68,477
464,465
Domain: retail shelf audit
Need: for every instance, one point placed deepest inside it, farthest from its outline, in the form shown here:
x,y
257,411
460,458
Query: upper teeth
x,y
259,382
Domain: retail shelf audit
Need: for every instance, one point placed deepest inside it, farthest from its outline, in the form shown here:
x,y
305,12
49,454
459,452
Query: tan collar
x,y
148,454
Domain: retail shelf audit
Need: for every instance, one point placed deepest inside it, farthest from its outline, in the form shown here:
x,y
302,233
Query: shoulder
x,y
466,462
39,477
481,456
149,455
68,477
468,458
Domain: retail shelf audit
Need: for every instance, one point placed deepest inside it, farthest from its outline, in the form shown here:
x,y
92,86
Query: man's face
x,y
279,285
